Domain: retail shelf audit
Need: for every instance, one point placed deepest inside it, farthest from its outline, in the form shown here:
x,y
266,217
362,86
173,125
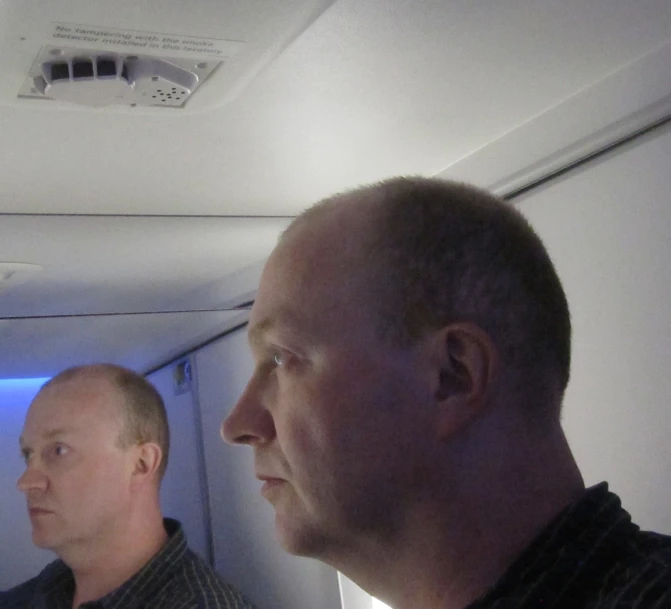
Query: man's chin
x,y
43,540
300,540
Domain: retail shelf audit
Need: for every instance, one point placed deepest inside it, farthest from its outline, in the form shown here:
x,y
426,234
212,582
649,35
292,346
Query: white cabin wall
x,y
607,226
245,548
182,490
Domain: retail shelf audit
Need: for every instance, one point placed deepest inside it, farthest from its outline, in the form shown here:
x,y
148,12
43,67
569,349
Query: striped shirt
x,y
590,557
175,578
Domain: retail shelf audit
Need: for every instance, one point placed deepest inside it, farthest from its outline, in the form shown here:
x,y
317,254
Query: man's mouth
x,y
38,511
270,484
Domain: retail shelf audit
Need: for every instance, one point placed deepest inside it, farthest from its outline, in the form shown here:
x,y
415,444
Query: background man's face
x,y
77,476
333,411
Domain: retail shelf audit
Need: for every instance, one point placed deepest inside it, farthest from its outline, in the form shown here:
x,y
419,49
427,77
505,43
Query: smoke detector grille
x,y
97,79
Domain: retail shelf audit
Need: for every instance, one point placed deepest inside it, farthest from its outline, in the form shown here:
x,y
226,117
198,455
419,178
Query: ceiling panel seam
x,y
591,156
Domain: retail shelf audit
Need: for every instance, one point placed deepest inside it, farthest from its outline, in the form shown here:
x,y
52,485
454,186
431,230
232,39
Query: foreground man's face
x,y
331,410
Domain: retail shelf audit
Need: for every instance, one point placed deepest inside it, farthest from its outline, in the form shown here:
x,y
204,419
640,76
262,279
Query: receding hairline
x,y
99,378
86,372
82,375
354,221
366,201
351,219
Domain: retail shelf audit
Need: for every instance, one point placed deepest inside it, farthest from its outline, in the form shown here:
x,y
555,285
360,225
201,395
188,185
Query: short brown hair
x,y
145,418
451,252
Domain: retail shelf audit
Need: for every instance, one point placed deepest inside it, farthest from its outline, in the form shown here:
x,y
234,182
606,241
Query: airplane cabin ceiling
x,y
312,97
368,90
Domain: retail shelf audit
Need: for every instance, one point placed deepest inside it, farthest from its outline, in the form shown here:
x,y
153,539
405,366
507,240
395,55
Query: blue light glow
x,y
16,394
23,383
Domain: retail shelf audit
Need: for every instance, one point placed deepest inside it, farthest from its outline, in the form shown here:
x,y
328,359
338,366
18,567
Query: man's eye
x,y
278,358
60,450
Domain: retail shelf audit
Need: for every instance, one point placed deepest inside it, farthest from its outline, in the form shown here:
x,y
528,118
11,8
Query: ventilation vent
x,y
91,81
107,67
60,71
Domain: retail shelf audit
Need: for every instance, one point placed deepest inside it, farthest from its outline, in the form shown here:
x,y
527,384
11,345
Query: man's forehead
x,y
310,265
315,273
61,402
85,387
340,229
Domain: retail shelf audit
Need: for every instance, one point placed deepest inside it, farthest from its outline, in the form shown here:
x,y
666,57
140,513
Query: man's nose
x,y
31,480
249,422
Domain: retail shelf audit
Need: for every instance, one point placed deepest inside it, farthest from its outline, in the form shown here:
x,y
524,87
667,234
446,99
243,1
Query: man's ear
x,y
148,456
467,366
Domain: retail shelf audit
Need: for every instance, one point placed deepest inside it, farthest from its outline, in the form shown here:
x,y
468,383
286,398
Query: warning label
x,y
176,45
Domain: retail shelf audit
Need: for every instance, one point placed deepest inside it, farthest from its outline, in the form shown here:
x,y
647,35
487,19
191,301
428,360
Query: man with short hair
x,y
96,444
412,348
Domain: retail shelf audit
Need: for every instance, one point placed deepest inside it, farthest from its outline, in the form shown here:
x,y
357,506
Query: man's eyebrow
x,y
52,433
283,319
256,332
59,431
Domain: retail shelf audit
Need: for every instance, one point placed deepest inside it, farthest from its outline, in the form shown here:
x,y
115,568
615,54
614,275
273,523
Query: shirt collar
x,y
58,580
574,545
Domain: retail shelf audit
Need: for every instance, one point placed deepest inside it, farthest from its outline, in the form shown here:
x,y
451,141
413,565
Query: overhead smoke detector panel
x,y
92,78
223,43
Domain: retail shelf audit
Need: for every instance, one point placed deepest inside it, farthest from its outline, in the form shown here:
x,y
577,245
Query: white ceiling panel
x,y
109,265
129,264
613,108
368,90
311,97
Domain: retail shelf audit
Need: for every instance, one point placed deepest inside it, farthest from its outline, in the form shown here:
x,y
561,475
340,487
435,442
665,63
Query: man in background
x,y
96,443
412,348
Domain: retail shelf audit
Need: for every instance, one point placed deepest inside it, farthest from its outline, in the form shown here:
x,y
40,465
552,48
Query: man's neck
x,y
450,553
103,566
